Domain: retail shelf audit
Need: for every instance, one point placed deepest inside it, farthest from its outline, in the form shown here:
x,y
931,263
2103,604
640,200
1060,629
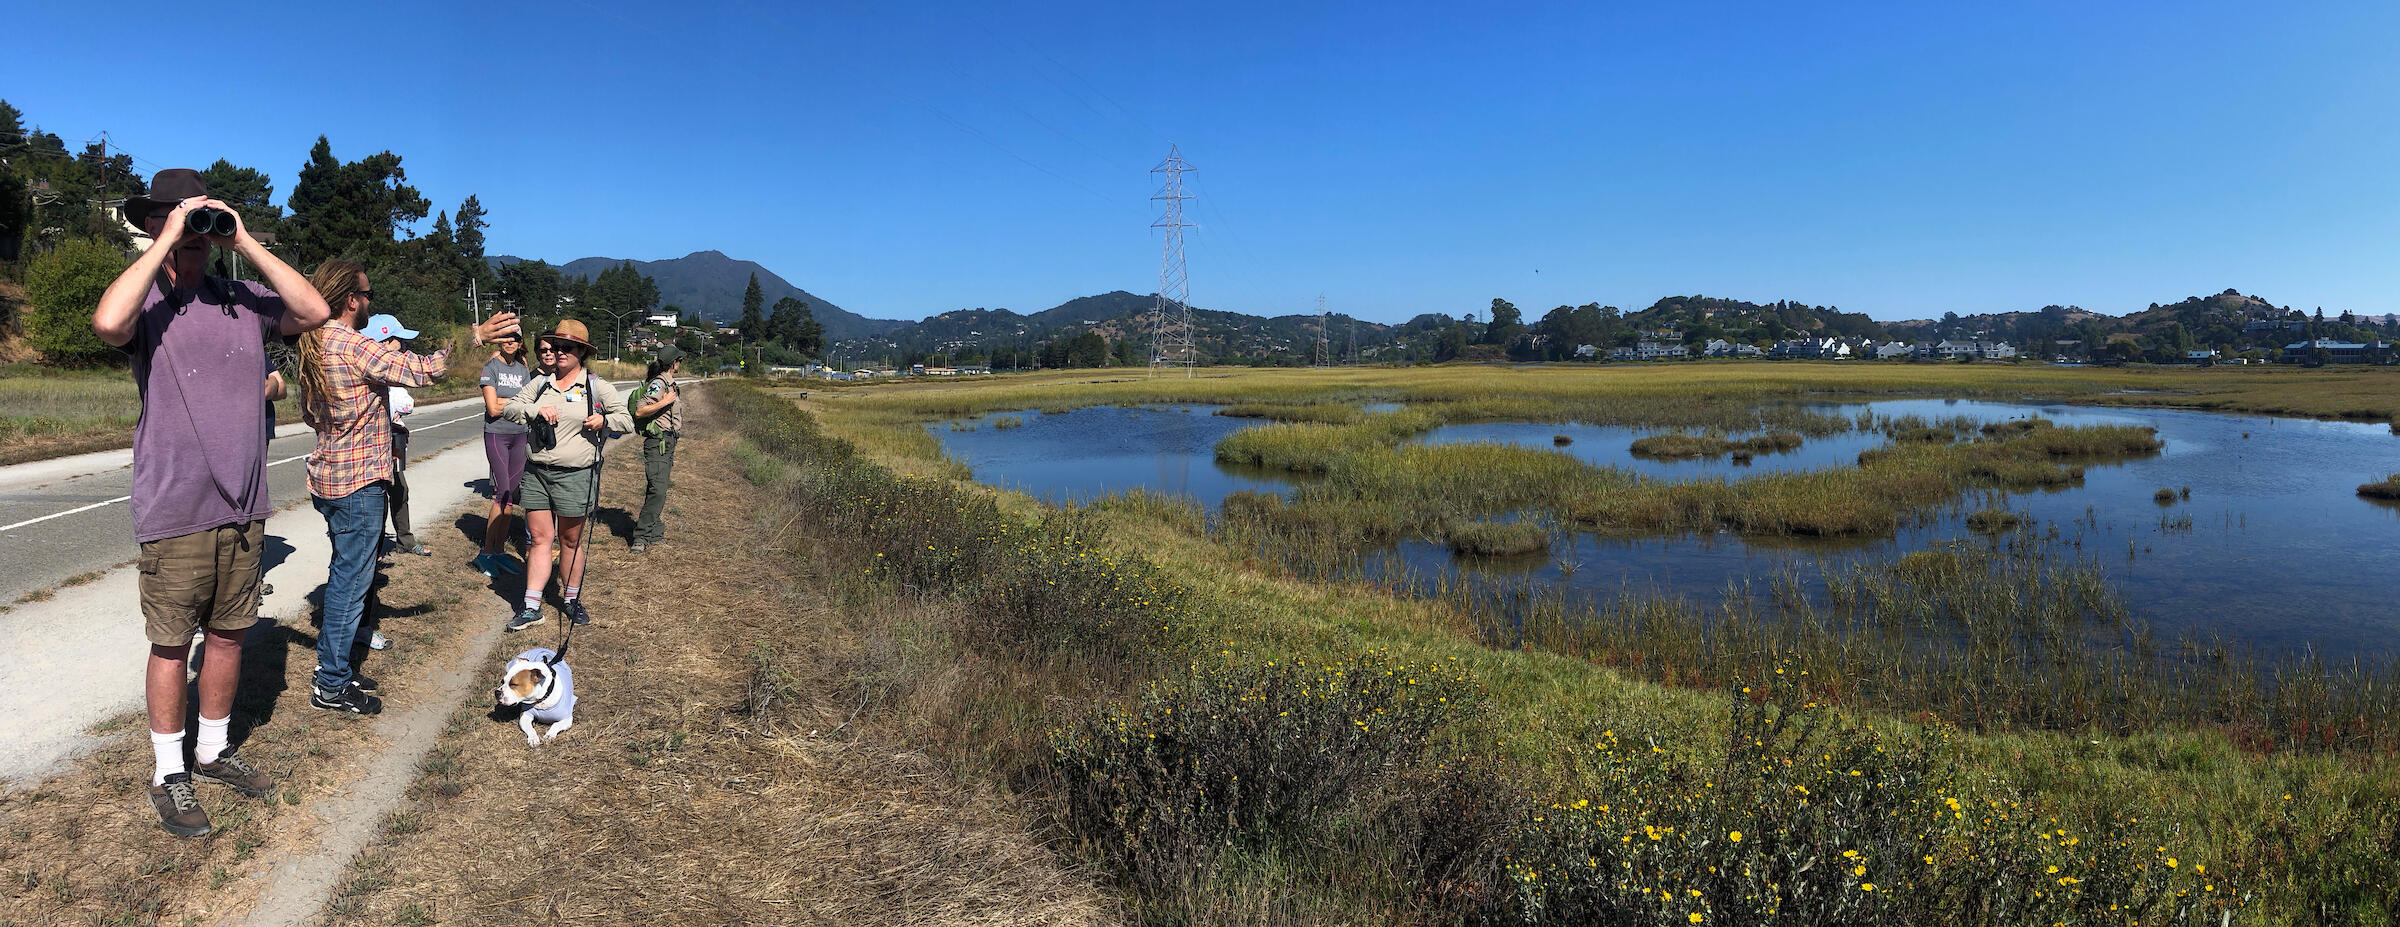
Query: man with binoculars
x,y
200,503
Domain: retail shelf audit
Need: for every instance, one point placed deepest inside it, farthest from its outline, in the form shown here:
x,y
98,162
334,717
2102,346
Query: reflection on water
x,y
2278,550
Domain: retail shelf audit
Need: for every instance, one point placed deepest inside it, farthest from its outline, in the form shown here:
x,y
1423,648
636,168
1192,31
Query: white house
x,y
662,320
1653,350
1892,349
1587,352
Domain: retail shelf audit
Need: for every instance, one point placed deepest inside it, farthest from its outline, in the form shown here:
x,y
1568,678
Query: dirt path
x,y
709,778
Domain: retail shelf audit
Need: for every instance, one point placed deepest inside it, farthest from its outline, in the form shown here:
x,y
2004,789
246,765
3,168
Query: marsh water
x,y
2272,548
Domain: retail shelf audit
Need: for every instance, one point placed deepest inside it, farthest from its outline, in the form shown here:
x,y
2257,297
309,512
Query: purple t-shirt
x,y
200,449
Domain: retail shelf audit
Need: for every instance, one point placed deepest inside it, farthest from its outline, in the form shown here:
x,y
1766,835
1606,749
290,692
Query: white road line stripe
x,y
35,521
79,510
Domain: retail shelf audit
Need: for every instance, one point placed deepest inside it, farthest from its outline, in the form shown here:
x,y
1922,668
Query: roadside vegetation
x,y
1233,739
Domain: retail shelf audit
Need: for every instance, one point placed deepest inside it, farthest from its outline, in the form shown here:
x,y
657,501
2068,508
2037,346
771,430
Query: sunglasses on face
x,y
363,294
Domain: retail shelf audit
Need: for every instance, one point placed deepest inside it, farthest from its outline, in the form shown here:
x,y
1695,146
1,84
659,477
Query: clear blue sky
x,y
1901,159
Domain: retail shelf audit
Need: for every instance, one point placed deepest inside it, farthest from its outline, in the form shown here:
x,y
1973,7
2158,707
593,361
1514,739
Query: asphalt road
x,y
62,518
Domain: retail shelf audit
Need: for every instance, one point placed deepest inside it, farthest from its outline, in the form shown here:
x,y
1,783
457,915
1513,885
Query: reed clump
x,y
1320,412
1314,447
1496,538
2387,488
1994,521
1677,446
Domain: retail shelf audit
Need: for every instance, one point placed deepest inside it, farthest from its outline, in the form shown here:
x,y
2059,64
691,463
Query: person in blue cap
x,y
387,331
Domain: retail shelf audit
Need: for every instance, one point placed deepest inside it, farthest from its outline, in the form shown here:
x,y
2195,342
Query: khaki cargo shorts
x,y
565,493
206,577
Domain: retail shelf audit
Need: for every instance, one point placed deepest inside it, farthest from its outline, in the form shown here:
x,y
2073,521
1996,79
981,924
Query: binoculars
x,y
216,222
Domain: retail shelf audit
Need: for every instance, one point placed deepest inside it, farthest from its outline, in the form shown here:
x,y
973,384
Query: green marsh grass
x,y
1496,538
1678,446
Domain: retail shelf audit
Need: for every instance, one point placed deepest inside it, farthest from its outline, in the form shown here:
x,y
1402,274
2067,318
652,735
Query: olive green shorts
x,y
566,493
205,577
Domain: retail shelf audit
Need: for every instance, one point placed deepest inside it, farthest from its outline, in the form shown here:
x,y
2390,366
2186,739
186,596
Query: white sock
x,y
212,739
533,599
572,591
168,748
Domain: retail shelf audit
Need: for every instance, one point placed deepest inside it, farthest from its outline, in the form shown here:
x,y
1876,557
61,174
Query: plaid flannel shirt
x,y
354,422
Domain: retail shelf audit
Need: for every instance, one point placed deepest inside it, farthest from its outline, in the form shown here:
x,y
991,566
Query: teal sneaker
x,y
524,619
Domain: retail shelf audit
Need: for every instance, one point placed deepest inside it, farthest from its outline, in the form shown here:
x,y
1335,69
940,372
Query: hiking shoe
x,y
483,564
349,700
231,770
525,619
413,548
360,681
575,612
178,809
641,547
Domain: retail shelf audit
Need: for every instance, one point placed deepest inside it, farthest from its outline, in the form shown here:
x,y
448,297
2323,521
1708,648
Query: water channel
x,y
2272,548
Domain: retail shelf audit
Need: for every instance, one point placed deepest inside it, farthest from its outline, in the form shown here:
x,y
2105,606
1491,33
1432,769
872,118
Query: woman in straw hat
x,y
562,475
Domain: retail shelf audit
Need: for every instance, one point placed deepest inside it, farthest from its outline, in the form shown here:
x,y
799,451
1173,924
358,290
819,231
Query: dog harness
x,y
555,700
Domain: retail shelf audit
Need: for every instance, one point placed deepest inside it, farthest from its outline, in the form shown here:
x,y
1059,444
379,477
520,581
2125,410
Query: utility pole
x,y
1171,337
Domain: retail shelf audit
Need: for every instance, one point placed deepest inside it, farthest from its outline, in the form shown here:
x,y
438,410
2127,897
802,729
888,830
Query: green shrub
x,y
64,287
1249,754
1810,819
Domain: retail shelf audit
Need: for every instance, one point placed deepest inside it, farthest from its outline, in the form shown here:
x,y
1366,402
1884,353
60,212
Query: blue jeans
x,y
355,525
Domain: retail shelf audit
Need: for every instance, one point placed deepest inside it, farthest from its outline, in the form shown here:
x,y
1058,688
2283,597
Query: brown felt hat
x,y
167,188
569,331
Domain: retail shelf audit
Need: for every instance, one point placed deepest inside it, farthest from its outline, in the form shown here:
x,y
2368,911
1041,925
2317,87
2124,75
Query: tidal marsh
x,y
1508,791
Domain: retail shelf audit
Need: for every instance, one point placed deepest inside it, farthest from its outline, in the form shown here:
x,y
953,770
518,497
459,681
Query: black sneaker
x,y
575,612
360,681
524,619
178,809
349,700
231,770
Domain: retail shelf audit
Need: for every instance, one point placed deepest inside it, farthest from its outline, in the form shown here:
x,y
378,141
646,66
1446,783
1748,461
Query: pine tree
x,y
753,324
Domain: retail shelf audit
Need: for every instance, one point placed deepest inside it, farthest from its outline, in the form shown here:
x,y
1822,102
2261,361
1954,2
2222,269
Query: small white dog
x,y
541,682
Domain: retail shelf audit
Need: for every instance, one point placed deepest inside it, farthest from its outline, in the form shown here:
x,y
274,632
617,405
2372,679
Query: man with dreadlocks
x,y
343,378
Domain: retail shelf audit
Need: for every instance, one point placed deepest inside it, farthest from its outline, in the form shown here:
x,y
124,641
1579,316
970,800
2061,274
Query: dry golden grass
x,y
721,770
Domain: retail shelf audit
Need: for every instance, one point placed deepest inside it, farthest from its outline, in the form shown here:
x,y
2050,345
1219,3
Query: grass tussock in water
x,y
2387,488
1312,447
1683,446
1320,412
1496,538
1994,521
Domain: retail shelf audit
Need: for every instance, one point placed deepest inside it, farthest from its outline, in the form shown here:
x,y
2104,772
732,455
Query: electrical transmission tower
x,y
1171,333
1324,334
